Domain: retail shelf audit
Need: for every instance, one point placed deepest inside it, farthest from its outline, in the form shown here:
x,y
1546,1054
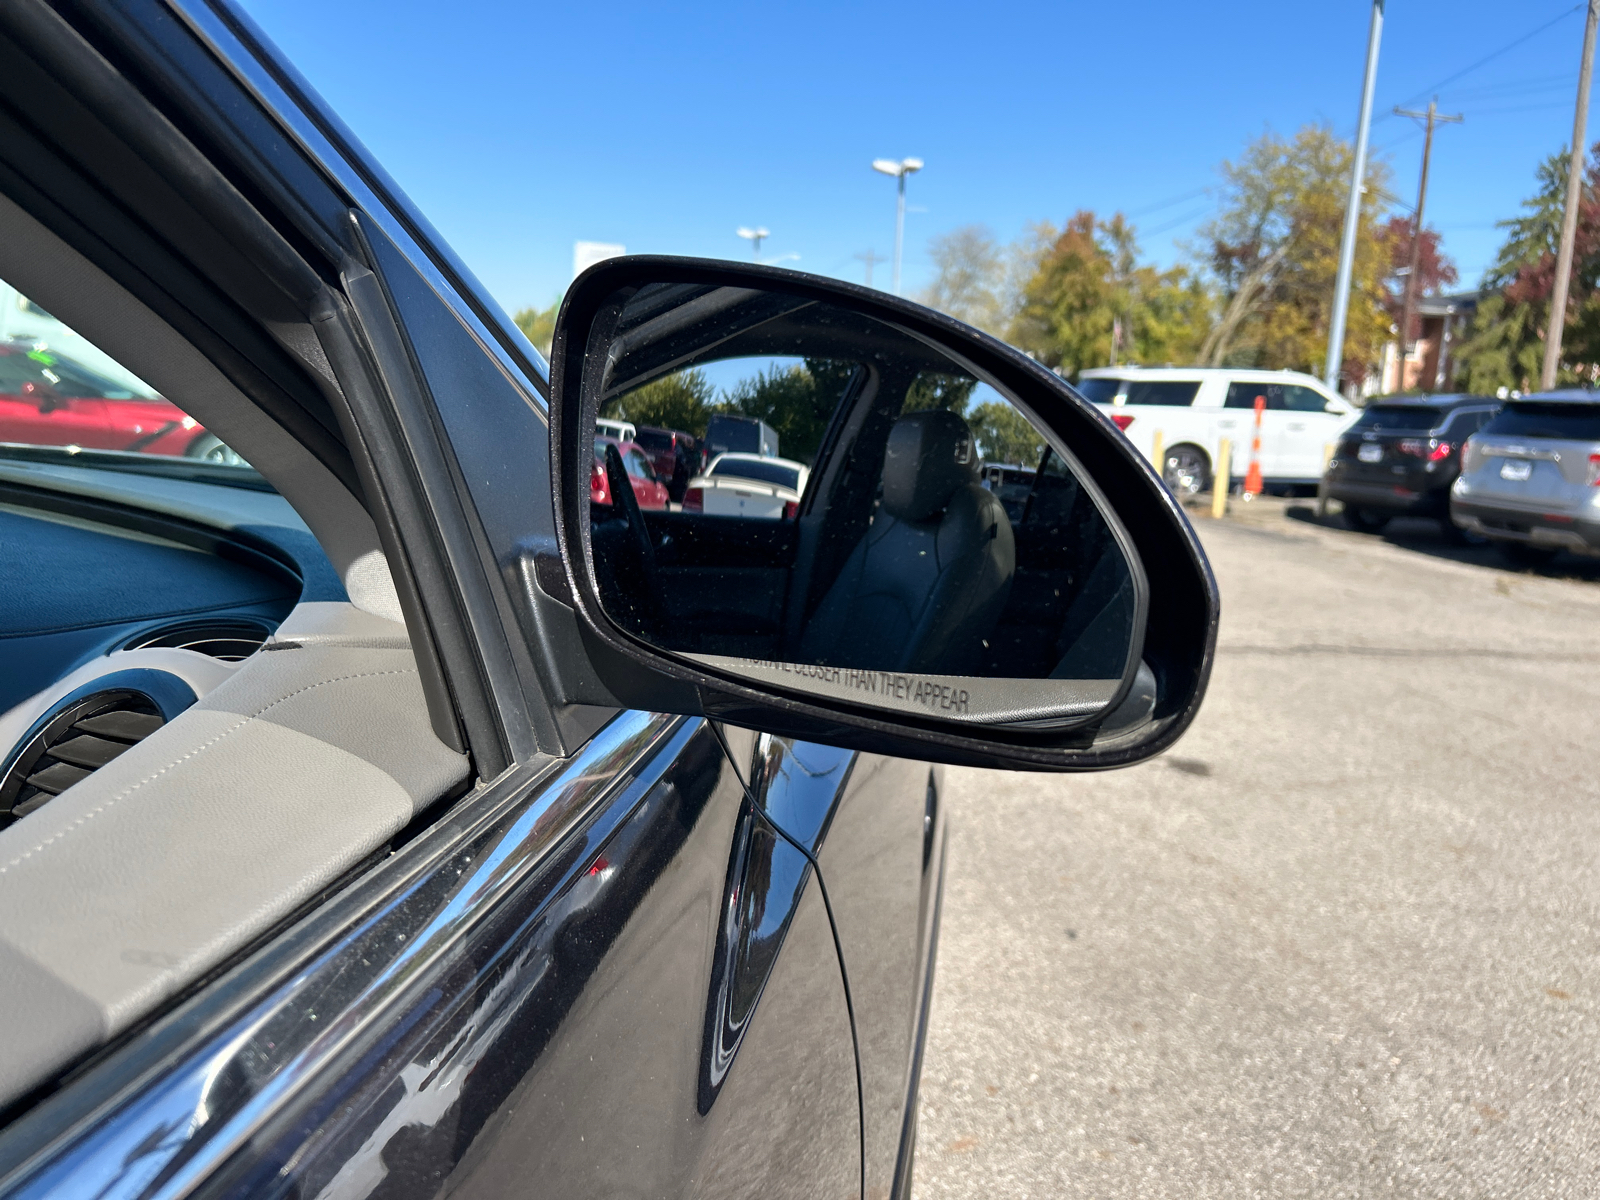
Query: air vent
x,y
72,745
229,639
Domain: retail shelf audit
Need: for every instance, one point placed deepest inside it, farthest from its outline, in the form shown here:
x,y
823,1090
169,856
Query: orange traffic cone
x,y
1252,477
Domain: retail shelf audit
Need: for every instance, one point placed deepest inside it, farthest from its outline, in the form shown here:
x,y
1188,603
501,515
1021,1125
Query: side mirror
x,y
1338,408
937,550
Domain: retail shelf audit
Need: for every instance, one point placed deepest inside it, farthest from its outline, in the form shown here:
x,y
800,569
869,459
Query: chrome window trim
x,y
140,1122
217,23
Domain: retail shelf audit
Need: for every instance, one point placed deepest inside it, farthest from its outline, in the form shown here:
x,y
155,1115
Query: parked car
x,y
1530,478
1195,408
623,431
739,435
647,488
674,454
1401,457
49,399
748,485
353,841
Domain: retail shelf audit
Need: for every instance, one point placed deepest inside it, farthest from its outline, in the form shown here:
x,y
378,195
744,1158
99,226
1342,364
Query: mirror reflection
x,y
787,490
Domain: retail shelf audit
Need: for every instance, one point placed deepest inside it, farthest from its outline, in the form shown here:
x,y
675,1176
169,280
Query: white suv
x,y
1194,408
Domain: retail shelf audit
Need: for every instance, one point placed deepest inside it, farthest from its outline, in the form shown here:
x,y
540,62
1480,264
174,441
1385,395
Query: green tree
x,y
934,389
1070,303
798,401
1004,435
538,325
683,400
1088,301
1504,346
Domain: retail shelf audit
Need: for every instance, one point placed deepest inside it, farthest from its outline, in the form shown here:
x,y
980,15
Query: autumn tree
x,y
1504,346
970,278
1274,252
1435,270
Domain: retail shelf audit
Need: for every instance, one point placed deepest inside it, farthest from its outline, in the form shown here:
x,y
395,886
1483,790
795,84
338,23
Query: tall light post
x,y
1334,363
755,235
906,166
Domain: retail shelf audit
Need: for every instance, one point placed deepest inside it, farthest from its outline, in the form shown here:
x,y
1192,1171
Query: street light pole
x,y
900,169
1334,363
755,236
1569,219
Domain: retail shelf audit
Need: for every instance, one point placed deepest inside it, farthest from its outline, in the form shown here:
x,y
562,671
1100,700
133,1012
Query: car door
x,y
873,824
714,999
1239,411
38,407
1308,429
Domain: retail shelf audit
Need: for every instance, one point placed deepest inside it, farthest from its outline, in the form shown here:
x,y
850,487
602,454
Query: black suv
x,y
1400,458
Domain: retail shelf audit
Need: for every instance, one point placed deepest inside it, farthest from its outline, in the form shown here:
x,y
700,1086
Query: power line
x,y
1150,208
1183,220
1488,58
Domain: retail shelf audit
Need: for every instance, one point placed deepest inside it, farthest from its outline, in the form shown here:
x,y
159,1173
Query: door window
x,y
1243,395
1167,392
637,465
1098,391
1304,399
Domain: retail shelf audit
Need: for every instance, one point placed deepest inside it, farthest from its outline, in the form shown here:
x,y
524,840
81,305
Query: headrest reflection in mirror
x,y
930,455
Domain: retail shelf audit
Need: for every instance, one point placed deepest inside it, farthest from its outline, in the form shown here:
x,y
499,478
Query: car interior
x,y
210,707
901,557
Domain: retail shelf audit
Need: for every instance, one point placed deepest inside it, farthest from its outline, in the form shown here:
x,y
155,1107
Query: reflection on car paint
x,y
198,1112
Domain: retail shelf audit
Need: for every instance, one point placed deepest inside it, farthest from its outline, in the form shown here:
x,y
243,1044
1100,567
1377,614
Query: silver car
x,y
1530,478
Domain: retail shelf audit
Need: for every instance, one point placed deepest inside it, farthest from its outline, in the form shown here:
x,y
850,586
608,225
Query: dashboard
x,y
129,596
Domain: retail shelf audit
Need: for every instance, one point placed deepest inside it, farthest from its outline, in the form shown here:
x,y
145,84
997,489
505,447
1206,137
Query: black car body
x,y
1402,454
350,850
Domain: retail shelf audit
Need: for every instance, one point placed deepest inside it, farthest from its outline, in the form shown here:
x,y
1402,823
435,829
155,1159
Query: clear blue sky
x,y
519,128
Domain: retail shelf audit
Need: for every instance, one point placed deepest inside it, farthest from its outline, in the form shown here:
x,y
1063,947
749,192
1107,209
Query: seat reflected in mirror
x,y
898,533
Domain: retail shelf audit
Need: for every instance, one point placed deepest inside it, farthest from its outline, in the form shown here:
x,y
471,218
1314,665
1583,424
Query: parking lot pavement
x,y
1342,940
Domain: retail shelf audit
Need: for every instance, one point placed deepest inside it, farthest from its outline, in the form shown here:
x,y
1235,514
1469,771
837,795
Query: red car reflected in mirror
x,y
647,487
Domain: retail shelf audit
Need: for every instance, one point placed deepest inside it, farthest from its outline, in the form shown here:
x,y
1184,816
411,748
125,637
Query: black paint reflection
x,y
563,1045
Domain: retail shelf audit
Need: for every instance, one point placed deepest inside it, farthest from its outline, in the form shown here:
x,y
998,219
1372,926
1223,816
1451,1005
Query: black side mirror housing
x,y
691,634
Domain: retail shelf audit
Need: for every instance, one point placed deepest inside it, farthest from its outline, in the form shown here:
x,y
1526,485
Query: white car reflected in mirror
x,y
748,485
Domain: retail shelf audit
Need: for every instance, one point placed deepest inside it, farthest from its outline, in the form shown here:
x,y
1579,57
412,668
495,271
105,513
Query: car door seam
x,y
833,927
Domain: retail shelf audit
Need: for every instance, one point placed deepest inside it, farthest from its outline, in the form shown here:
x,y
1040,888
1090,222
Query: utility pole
x,y
1352,213
1569,219
869,257
1433,118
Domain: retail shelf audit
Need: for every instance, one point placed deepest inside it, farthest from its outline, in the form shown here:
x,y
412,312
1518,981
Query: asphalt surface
x,y
1340,941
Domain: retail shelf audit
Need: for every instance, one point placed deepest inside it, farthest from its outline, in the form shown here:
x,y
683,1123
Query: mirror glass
x,y
792,492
